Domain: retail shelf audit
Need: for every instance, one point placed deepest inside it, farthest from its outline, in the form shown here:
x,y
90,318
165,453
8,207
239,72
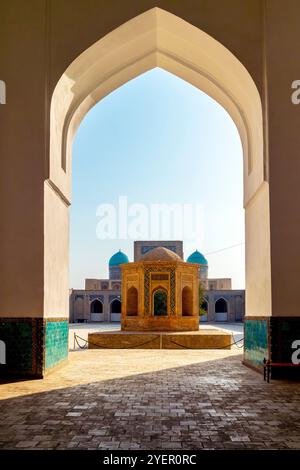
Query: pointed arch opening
x,y
204,306
132,301
204,311
115,306
221,310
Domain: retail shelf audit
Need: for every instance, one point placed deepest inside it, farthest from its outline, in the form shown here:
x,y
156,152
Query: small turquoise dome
x,y
197,258
118,258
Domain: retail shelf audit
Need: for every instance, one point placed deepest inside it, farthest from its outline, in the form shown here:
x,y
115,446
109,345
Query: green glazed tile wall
x,y
256,341
57,333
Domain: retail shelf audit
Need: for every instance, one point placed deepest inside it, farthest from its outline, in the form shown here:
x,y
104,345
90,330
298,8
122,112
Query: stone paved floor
x,y
150,399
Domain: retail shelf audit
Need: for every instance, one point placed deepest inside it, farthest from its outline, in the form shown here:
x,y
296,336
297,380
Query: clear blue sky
x,y
158,140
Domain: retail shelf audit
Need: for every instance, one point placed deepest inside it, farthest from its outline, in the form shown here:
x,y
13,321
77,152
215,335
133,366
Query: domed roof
x,y
118,258
197,258
160,254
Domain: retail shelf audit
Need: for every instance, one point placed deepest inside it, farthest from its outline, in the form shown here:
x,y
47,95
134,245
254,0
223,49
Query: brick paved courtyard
x,y
150,399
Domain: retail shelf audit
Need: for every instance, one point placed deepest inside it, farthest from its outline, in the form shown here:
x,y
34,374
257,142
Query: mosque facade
x,y
101,299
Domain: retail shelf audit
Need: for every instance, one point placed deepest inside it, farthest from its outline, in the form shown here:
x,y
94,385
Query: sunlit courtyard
x,y
150,399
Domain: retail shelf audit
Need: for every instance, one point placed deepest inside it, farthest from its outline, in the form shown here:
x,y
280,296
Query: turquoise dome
x,y
197,258
118,258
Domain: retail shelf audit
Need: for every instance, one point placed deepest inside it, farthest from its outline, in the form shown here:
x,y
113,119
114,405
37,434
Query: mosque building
x,y
101,300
